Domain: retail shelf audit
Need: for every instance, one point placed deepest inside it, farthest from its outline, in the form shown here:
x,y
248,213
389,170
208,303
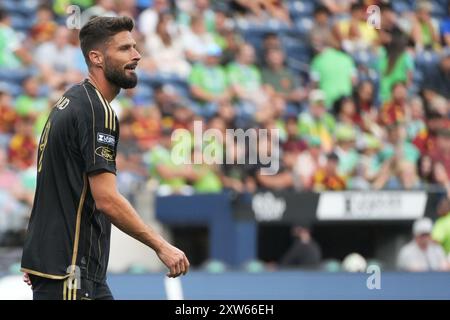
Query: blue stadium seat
x,y
425,59
12,88
304,25
20,22
144,92
401,6
15,76
300,9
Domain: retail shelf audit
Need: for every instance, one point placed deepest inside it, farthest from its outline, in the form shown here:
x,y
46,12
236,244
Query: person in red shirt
x,y
327,178
394,110
22,147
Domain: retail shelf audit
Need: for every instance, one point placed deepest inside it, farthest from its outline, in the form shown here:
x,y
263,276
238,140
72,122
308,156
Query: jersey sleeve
x,y
98,131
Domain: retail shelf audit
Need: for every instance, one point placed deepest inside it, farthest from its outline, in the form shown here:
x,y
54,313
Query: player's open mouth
x,y
131,67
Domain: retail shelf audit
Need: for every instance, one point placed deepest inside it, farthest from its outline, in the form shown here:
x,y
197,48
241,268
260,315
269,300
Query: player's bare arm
x,y
123,216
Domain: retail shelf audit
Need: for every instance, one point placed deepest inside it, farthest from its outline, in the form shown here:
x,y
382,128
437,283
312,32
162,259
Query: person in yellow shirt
x,y
355,33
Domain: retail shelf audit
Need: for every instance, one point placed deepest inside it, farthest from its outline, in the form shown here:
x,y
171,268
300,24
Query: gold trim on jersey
x,y
110,121
44,275
78,224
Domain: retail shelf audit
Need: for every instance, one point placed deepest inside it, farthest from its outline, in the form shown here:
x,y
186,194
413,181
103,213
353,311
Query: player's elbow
x,y
106,203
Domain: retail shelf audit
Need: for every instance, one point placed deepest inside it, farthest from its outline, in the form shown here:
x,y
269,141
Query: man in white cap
x,y
422,253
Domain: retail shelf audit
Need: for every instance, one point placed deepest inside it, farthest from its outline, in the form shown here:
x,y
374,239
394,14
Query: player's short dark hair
x,y
98,30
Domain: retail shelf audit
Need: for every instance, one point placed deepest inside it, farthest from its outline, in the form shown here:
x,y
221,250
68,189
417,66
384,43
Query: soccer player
x,y
66,250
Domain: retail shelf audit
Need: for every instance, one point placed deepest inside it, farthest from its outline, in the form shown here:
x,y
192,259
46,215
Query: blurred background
x,y
362,111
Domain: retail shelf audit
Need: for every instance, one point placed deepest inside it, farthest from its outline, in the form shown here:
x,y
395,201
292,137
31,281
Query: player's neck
x,y
108,90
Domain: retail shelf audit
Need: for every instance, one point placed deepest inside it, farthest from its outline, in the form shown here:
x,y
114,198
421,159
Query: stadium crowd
x,y
358,105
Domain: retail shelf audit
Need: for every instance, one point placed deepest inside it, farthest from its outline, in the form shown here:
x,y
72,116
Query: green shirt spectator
x,y
348,157
409,152
334,71
160,155
399,72
212,79
322,128
9,43
247,76
208,181
441,232
26,105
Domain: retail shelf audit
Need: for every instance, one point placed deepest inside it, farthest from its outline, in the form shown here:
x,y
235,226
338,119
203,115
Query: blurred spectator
x,y
334,72
425,168
29,103
259,11
293,142
406,177
236,172
437,78
22,147
369,166
129,160
200,8
322,30
282,179
441,158
45,26
209,83
366,113
13,54
165,97
225,36
204,177
307,163
8,117
422,254
171,177
13,212
395,64
270,40
345,110
166,50
441,229
106,8
197,40
55,59
316,121
282,80
328,178
416,125
356,34
245,81
394,110
147,126
227,113
337,6
305,252
397,147
346,151
149,17
425,31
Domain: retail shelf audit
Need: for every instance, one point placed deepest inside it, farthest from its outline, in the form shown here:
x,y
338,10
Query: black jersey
x,y
66,232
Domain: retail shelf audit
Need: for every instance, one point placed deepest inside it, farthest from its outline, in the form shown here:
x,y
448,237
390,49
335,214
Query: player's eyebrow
x,y
127,46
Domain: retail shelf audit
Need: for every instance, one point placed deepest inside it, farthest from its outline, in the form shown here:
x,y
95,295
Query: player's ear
x,y
96,58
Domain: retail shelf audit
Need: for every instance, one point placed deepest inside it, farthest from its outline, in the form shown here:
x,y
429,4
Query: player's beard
x,y
118,76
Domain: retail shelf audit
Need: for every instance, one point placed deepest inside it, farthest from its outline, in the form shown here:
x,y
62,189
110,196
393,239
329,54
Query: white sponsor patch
x,y
106,138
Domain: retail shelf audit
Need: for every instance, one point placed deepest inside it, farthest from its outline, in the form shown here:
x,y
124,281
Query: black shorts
x,y
49,289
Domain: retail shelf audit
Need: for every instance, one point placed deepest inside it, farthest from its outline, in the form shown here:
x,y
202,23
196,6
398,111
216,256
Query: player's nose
x,y
136,55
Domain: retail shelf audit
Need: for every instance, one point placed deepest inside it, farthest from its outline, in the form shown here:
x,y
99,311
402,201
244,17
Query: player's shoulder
x,y
81,97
